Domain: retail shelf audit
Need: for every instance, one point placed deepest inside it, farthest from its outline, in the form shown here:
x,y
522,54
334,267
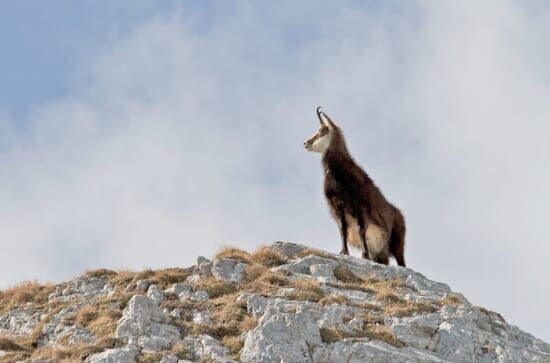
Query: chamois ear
x,y
324,119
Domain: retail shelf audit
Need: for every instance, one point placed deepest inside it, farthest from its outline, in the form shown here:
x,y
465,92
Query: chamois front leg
x,y
343,233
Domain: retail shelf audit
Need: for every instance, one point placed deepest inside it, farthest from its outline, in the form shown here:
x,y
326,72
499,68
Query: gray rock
x,y
19,321
323,272
303,265
199,295
139,314
142,285
289,250
201,317
227,269
204,347
282,338
155,294
169,358
287,329
127,354
179,288
357,351
204,266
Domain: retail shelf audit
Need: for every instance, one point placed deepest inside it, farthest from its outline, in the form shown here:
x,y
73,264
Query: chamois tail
x,y
397,238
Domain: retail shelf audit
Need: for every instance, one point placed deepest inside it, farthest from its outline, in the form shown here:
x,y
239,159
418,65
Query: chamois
x,y
365,218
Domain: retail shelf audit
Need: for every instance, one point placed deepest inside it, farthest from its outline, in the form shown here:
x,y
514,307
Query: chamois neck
x,y
336,155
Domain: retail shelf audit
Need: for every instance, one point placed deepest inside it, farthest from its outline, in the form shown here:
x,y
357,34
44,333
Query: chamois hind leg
x,y
397,239
343,226
382,258
363,235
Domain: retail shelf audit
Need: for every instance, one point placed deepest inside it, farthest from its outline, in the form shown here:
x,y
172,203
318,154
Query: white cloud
x,y
187,140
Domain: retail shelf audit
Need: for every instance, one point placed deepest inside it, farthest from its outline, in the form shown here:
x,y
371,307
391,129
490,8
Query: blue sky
x,y
141,134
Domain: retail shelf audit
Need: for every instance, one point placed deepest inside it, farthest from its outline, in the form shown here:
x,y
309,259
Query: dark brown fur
x,y
350,191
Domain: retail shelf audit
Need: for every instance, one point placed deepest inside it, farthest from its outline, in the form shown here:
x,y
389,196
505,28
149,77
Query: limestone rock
x,y
282,337
227,269
120,355
394,314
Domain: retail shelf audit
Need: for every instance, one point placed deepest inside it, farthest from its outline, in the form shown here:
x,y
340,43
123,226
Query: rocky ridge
x,y
284,302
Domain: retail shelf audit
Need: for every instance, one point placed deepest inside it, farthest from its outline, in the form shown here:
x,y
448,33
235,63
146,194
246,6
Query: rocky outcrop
x,y
281,303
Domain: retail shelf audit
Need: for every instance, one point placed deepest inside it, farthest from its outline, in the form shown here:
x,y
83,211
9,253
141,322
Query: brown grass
x,y
234,344
314,252
383,333
229,317
149,358
387,295
9,344
215,288
25,292
371,319
234,253
99,318
253,272
102,272
333,299
371,331
166,277
404,308
181,350
343,274
451,299
332,335
123,278
75,352
306,289
350,286
272,279
268,257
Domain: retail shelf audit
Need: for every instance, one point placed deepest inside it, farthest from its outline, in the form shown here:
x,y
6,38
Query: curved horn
x,y
319,115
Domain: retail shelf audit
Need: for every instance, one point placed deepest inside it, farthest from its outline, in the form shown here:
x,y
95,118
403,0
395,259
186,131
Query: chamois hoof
x,y
365,255
344,252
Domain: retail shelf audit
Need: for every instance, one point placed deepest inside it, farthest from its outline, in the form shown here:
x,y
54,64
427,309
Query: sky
x,y
141,134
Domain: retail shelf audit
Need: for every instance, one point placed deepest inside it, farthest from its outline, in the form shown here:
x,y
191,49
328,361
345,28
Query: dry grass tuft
x,y
215,288
383,333
315,252
451,299
387,295
123,278
149,358
26,292
181,351
166,277
230,319
332,335
343,274
272,278
234,253
234,344
306,289
372,319
253,272
99,318
9,344
102,272
371,331
74,353
268,257
333,299
404,308
348,286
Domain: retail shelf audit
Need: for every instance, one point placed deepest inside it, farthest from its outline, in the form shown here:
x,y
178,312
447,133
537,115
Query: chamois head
x,y
320,142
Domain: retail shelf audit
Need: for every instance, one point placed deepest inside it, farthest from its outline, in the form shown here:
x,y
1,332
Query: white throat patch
x,y
322,143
